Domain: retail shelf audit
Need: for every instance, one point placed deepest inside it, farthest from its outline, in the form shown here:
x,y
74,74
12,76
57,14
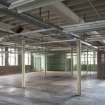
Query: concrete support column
x,y
32,61
101,64
87,61
45,63
40,63
23,65
19,57
78,91
72,61
94,60
6,56
66,68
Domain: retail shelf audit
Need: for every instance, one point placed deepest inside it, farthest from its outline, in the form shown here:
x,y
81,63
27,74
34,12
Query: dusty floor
x,y
55,89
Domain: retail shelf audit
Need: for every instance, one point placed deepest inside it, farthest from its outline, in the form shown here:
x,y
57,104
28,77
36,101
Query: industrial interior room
x,y
52,52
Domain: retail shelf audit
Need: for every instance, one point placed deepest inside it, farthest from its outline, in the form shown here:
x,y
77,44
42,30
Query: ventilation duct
x,y
26,5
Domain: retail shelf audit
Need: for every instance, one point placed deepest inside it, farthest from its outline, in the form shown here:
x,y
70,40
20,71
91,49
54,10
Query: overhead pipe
x,y
33,20
5,3
27,17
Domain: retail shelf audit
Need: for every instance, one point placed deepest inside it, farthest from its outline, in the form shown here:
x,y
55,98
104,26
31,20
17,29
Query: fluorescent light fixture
x,y
23,6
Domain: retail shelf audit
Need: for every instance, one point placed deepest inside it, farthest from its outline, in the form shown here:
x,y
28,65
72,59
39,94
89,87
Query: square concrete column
x,y
19,58
6,56
23,65
78,89
101,64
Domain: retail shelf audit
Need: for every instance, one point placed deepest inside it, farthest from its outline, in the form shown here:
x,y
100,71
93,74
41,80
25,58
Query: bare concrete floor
x,y
56,89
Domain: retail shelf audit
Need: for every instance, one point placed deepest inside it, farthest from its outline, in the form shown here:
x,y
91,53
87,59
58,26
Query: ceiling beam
x,y
85,27
58,41
6,28
94,8
101,38
88,44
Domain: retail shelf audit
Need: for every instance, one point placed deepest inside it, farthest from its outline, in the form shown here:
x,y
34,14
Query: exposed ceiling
x,y
53,17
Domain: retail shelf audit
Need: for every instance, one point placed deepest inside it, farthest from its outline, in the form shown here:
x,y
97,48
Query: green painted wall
x,y
36,63
56,61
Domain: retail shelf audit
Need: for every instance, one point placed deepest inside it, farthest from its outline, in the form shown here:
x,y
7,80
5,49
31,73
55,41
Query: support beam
x,y
96,38
88,44
61,49
58,41
85,27
94,8
23,66
78,90
36,33
6,28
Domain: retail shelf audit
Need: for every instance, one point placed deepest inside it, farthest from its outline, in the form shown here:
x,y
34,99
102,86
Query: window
x,y
2,56
27,58
12,56
92,58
